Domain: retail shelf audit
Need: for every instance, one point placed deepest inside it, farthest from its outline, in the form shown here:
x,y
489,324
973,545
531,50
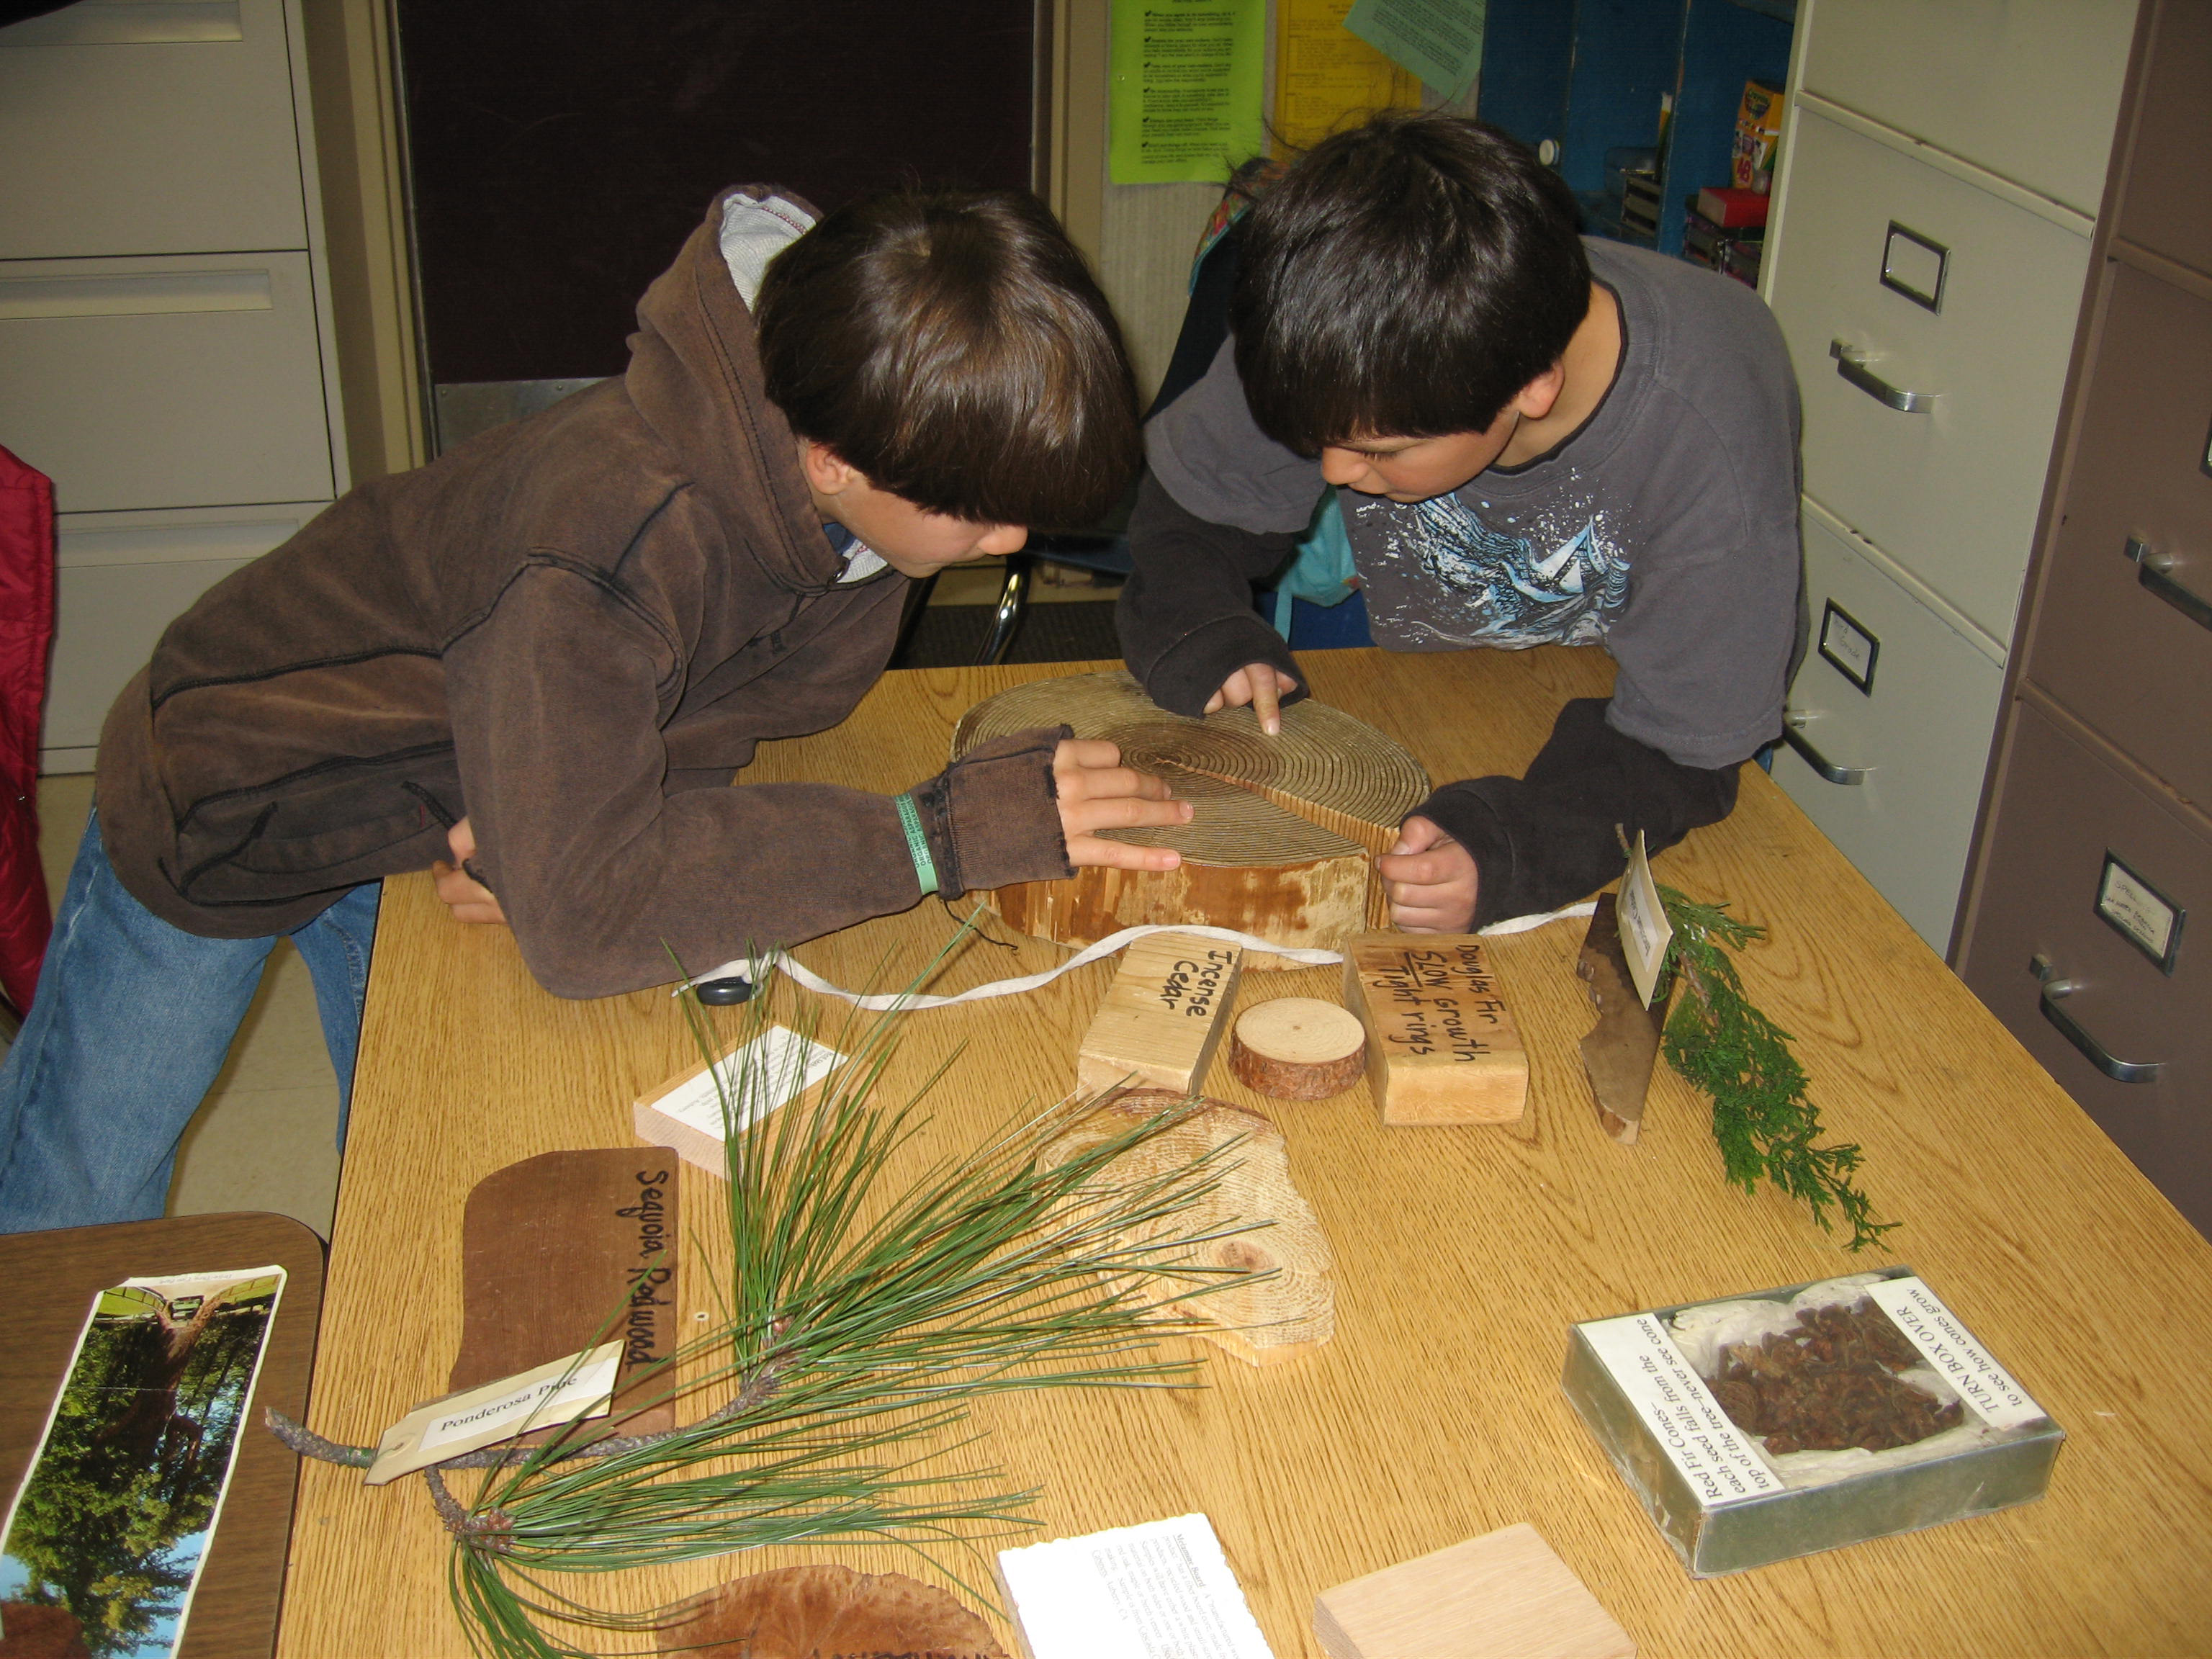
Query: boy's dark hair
x,y
954,348
1405,279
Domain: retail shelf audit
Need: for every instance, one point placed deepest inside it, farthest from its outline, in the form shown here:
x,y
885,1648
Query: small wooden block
x,y
1504,1594
685,1112
1163,1016
553,1247
1441,1046
1298,1048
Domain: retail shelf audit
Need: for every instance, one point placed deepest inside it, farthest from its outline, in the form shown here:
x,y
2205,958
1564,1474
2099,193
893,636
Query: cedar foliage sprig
x,y
1718,1040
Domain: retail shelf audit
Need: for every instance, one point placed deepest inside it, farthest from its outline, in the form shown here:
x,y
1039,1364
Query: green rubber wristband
x,y
917,844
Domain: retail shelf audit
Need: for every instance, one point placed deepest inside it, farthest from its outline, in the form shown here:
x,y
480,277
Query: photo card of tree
x,y
106,1536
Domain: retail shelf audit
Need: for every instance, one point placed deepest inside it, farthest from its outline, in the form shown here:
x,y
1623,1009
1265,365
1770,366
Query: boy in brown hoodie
x,y
543,656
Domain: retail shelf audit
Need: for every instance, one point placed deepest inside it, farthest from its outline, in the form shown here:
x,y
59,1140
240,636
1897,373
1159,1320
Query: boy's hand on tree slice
x,y
1261,684
468,899
1096,792
1431,878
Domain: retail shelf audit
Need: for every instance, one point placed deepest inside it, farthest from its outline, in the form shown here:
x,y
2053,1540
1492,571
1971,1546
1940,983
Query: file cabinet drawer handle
x,y
2156,572
1793,734
2055,988
1851,364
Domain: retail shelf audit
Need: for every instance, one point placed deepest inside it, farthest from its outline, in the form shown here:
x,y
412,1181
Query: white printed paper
x,y
1720,1462
1162,1590
1644,929
559,1391
773,1069
1989,1392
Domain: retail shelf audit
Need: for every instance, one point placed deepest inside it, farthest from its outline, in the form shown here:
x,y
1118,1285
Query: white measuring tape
x,y
801,974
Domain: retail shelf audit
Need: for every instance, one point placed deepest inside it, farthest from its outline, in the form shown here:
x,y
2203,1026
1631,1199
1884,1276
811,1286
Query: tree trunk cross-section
x,y
1287,1306
1283,839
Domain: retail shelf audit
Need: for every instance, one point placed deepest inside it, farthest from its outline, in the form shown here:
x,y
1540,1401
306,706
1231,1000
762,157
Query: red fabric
x,y
26,632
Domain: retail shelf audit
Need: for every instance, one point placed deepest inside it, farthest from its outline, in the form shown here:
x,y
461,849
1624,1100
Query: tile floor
x,y
266,1138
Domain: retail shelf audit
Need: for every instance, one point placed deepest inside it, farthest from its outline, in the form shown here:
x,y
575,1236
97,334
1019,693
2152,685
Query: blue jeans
x,y
131,1025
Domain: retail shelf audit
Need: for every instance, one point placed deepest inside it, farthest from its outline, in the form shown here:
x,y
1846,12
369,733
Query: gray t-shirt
x,y
1665,529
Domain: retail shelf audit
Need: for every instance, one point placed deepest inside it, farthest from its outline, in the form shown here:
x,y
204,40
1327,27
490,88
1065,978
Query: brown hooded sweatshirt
x,y
570,630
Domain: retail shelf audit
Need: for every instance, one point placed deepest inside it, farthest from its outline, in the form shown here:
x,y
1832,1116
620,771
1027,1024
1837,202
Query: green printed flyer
x,y
1187,83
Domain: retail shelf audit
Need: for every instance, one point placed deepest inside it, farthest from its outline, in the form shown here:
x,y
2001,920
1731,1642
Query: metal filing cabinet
x,y
2088,922
165,348
1930,244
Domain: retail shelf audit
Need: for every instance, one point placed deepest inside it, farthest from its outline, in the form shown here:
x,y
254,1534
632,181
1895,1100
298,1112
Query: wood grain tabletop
x,y
1463,1254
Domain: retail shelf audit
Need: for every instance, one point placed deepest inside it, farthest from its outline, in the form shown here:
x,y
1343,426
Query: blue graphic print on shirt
x,y
1557,582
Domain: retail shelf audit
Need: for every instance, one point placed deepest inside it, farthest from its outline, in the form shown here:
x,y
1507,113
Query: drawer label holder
x,y
1847,648
2139,913
1914,266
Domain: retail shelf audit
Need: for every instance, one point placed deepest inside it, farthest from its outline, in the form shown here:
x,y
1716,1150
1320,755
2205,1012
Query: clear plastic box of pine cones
x,y
1780,1423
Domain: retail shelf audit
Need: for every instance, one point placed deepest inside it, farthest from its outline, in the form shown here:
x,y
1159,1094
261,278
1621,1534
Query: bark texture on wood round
x,y
1283,839
1298,1048
800,1613
1264,1321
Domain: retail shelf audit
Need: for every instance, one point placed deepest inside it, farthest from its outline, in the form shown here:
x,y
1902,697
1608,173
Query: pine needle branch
x,y
862,1314
1723,1044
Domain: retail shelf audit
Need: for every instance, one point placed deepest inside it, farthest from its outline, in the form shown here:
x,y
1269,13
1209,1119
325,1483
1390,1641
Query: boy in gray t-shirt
x,y
1535,440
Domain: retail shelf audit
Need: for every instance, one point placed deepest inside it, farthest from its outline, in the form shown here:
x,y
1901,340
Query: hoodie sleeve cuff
x,y
1186,676
993,817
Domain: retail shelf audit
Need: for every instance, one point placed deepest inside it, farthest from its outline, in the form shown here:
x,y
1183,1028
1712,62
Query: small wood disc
x,y
1298,1048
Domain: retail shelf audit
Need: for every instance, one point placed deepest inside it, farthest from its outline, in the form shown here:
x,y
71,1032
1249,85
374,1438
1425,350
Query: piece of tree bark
x,y
1620,1049
1298,1048
554,1246
1286,829
1263,1321
807,1612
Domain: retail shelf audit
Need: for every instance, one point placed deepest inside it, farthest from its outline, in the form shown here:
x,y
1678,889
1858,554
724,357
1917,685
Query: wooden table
x,y
55,1275
1463,1254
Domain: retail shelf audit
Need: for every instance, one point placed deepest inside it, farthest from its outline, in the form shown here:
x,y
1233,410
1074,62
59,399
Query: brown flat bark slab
x,y
813,1612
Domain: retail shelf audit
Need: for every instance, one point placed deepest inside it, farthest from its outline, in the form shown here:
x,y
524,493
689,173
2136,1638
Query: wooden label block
x,y
1441,1047
1164,1015
554,1247
688,1112
1505,1592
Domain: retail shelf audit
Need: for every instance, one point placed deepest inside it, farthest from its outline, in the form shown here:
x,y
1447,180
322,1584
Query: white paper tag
x,y
1721,1463
1644,929
771,1071
1989,1392
559,1391
1162,1590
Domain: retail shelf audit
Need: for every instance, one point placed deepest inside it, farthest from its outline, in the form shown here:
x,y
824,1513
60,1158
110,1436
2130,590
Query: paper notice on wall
x,y
1186,89
1439,41
1162,1590
1328,78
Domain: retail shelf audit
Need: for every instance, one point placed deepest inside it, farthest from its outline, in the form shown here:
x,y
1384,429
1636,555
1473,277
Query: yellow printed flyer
x,y
1186,89
1328,78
